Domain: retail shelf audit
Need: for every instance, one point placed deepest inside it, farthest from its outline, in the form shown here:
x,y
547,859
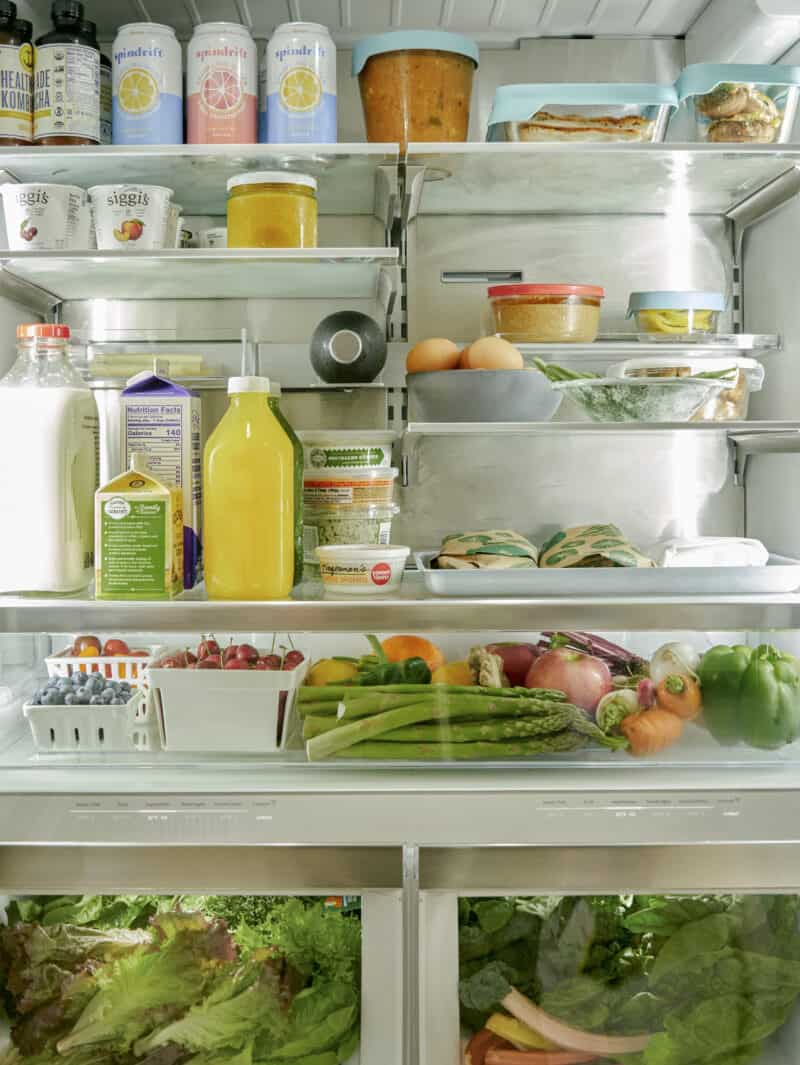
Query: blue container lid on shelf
x,y
700,78
412,41
518,103
675,301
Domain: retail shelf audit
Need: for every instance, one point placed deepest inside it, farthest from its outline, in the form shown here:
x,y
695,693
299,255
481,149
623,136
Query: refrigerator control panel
x,y
432,818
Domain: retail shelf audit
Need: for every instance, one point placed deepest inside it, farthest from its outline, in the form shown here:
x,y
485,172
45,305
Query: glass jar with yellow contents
x,y
272,209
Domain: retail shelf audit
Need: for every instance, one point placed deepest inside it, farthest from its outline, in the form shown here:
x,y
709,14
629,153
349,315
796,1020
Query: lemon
x,y
300,89
138,91
453,673
330,671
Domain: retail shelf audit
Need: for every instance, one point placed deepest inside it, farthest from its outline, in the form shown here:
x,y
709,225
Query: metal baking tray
x,y
780,575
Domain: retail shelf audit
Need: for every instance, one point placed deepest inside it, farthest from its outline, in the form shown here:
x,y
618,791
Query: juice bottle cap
x,y
248,384
39,329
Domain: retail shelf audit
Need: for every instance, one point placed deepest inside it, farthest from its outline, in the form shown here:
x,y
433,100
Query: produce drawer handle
x,y
481,277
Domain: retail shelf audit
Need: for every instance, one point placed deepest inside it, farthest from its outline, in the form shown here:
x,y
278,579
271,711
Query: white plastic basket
x,y
223,711
119,667
94,729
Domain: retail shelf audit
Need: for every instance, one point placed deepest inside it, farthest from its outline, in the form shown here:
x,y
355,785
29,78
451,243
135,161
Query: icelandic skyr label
x,y
66,92
16,91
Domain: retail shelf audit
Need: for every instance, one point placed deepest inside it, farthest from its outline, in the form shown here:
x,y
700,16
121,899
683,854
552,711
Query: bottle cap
x,y
7,9
40,329
66,10
248,384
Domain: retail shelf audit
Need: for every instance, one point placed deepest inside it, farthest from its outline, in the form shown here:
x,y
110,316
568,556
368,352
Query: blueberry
x,y
107,695
64,685
96,700
113,685
117,702
71,699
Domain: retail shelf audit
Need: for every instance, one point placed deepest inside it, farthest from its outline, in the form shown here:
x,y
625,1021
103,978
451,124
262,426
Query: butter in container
x,y
740,103
590,546
488,549
665,315
337,449
563,112
362,569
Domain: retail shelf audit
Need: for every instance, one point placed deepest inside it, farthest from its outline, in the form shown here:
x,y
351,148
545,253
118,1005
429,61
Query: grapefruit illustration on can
x,y
221,85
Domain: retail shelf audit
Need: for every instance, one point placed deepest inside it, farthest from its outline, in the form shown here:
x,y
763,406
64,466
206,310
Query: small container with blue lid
x,y
416,85
665,315
572,112
740,103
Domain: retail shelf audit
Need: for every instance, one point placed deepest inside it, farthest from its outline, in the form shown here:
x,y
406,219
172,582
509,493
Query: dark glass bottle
x,y
90,29
66,95
16,77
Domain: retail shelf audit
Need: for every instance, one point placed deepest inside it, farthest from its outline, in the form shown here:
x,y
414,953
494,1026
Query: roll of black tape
x,y
348,347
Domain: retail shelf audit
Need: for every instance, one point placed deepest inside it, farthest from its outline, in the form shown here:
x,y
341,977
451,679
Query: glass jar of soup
x,y
272,209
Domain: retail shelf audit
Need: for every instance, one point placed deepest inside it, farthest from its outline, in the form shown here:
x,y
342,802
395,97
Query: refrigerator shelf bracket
x,y
769,442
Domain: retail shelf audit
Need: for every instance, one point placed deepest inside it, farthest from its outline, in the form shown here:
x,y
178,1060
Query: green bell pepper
x,y
751,696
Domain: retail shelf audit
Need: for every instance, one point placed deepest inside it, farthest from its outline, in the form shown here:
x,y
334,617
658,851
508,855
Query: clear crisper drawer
x,y
168,979
640,979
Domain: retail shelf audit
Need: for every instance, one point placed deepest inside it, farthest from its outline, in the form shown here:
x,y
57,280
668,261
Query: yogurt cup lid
x,y
352,473
100,189
594,291
332,437
335,552
272,177
688,300
412,40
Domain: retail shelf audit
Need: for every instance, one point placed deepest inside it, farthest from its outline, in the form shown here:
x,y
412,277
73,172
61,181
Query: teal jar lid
x,y
675,301
518,103
700,78
412,41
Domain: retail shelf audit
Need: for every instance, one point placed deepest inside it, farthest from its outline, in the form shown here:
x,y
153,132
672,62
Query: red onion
x,y
584,679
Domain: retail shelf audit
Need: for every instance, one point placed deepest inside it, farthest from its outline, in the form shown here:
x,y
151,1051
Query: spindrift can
x,y
298,86
147,84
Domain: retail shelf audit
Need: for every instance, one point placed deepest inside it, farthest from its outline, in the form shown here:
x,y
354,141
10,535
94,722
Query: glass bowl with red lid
x,y
546,314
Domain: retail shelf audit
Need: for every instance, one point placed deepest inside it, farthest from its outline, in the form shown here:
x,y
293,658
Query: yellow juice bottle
x,y
248,499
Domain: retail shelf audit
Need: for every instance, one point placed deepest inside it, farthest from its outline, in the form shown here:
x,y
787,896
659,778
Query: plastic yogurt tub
x,y
44,217
362,569
127,217
216,237
349,486
337,449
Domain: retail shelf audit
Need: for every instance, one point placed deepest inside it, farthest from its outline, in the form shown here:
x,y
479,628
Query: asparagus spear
x,y
345,736
318,709
378,750
467,732
326,693
459,706
315,726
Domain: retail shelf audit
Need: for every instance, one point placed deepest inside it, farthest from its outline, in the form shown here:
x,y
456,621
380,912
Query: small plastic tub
x,y
416,85
349,487
603,113
130,217
742,375
546,314
44,217
272,209
216,237
362,569
346,525
740,103
336,449
665,315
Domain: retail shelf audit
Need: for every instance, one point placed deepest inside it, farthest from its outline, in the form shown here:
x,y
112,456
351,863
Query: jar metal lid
x,y
272,177
593,291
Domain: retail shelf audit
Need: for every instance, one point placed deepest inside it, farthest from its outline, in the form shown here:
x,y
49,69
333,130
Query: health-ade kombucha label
x,y
66,93
16,92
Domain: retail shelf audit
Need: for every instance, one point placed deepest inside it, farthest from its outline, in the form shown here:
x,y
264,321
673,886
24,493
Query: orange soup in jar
x,y
272,209
416,85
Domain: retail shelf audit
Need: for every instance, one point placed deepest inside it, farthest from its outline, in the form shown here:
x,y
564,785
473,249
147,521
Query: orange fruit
x,y
398,648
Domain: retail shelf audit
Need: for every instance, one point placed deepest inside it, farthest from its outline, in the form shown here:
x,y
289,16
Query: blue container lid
x,y
675,301
412,41
518,103
700,78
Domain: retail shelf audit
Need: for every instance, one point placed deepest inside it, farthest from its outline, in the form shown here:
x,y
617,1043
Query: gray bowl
x,y
481,396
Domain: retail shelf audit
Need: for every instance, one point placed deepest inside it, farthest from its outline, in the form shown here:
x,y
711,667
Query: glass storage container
x,y
564,112
663,315
415,85
537,314
272,209
740,103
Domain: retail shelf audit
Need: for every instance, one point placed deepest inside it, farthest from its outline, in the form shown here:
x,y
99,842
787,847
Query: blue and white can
x,y
298,86
147,83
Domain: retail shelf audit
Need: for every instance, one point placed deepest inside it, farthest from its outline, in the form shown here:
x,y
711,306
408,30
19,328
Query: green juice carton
x,y
138,536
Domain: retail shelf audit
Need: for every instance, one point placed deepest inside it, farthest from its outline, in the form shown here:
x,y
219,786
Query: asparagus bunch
x,y
437,722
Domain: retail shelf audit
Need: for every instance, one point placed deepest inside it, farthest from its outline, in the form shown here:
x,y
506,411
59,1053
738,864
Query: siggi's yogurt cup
x,y
174,218
43,217
130,216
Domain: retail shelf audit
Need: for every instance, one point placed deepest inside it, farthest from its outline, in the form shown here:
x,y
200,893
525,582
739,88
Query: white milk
x,y
47,481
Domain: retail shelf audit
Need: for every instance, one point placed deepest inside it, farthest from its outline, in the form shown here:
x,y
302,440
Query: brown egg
x,y
463,359
434,354
491,353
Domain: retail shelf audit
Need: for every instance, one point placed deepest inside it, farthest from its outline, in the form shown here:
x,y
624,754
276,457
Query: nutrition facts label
x,y
158,432
66,95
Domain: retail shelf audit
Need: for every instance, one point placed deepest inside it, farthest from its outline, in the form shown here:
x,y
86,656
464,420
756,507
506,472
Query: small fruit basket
x,y
112,658
86,713
225,700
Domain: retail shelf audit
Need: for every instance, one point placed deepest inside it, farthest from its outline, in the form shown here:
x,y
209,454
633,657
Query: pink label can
x,y
221,85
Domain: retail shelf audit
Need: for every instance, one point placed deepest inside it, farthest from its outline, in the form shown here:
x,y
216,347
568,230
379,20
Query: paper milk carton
x,y
138,536
163,421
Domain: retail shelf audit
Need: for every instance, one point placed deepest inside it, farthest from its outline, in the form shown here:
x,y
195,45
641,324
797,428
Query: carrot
x,y
399,648
538,1057
480,1044
680,695
652,730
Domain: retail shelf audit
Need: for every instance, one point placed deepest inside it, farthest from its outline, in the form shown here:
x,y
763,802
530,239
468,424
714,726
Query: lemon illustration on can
x,y
300,89
138,91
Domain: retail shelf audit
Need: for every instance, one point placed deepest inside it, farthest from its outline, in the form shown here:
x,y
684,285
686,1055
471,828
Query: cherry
x,y
229,653
208,646
247,653
272,661
210,662
236,663
293,659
